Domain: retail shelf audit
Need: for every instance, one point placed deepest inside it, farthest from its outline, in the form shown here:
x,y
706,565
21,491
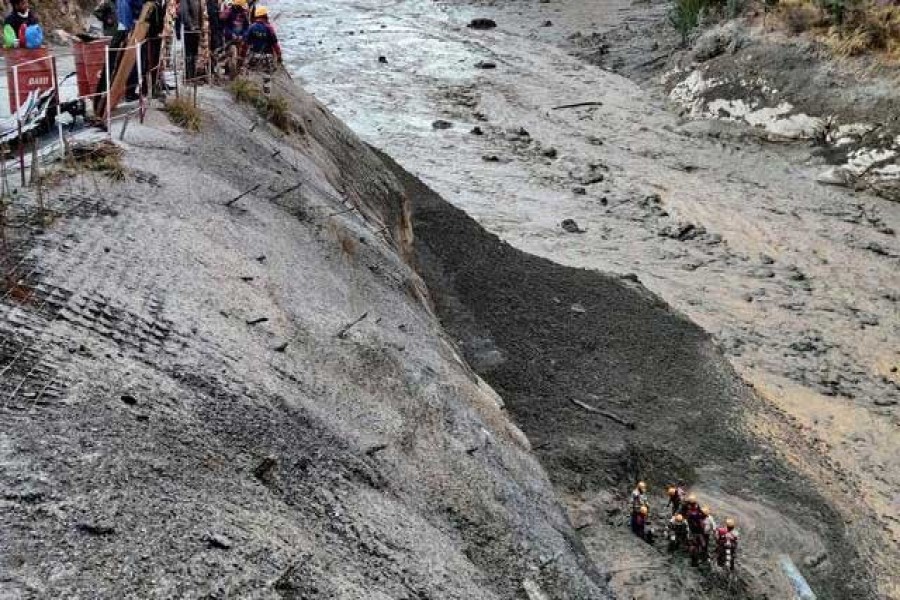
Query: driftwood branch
x,y
603,413
577,105
346,328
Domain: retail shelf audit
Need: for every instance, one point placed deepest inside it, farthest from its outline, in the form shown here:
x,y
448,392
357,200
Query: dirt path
x,y
798,282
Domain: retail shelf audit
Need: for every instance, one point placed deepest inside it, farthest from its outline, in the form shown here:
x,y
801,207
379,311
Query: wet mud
x,y
546,335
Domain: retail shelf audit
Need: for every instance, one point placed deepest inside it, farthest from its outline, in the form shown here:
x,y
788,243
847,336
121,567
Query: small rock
x,y
265,470
570,226
382,59
579,191
442,124
886,230
550,152
547,23
485,64
482,24
217,540
96,528
280,347
885,402
766,259
490,158
578,308
477,131
128,399
877,249
835,176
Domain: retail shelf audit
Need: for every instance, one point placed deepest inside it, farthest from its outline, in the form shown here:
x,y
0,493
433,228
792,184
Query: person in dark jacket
x,y
21,17
106,14
262,43
215,29
189,13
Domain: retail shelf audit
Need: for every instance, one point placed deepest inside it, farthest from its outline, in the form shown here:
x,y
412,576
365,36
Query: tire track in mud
x,y
543,334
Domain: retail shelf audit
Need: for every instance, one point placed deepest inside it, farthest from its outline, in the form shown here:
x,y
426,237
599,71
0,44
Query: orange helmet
x,y
679,518
672,491
706,510
729,523
642,486
692,499
644,510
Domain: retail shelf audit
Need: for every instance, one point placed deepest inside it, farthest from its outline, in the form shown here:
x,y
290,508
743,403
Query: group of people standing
x,y
238,24
691,526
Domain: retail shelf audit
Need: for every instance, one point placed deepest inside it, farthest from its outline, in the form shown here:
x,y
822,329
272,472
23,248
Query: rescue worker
x,y
234,20
264,52
20,18
694,517
689,505
676,494
678,532
638,497
709,529
638,520
726,544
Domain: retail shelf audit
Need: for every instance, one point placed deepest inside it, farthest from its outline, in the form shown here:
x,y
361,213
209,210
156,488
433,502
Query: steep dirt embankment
x,y
545,336
186,411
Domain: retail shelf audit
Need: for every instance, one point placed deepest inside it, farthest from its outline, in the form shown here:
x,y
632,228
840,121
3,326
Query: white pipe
x,y
802,591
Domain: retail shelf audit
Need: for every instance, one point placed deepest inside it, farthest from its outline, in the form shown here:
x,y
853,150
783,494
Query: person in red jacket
x,y
726,544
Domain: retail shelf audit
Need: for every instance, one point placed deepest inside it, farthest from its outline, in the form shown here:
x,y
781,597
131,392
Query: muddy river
x,y
798,282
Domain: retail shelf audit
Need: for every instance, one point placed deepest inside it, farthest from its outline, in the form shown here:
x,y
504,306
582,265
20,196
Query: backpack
x,y
34,37
9,37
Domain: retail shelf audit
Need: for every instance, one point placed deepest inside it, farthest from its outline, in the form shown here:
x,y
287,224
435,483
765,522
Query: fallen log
x,y
603,413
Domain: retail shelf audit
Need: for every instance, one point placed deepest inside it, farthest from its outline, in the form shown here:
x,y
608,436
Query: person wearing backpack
x,y
19,20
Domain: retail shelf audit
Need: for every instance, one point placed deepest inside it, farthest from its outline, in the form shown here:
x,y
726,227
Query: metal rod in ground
x,y
239,196
4,182
285,192
21,154
124,127
34,161
195,94
346,328
40,199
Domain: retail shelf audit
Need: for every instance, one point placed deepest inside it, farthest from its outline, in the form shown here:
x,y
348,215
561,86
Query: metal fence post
x,y
108,100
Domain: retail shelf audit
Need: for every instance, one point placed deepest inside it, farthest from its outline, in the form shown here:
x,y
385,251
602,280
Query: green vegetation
x,y
274,109
183,113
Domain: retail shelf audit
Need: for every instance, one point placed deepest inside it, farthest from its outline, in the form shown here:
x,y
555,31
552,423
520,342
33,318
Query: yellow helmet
x,y
642,486
692,499
729,523
671,491
241,3
644,510
260,11
679,518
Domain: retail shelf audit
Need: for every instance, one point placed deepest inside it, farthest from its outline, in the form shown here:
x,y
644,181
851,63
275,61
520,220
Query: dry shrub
x,y
104,157
183,113
869,29
800,15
